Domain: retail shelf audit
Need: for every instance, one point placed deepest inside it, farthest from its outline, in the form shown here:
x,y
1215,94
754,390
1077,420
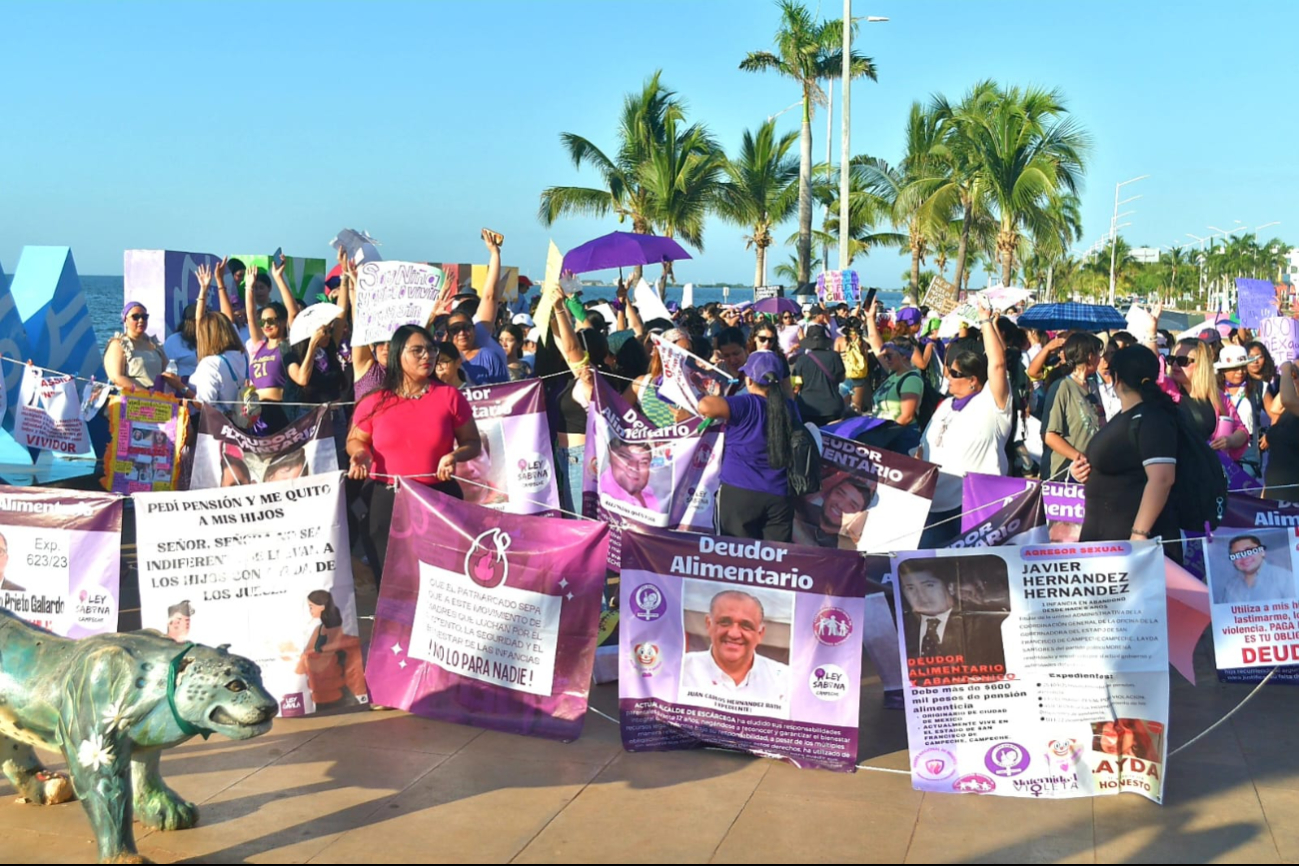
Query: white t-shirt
x,y
179,351
972,440
212,380
764,691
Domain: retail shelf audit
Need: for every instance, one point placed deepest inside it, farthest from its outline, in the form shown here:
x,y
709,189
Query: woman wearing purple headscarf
x,y
134,359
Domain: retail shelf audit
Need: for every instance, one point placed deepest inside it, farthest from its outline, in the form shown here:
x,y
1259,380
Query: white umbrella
x,y
311,318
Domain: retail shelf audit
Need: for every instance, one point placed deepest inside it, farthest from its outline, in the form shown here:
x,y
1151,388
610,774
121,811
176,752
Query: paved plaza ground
x,y
361,787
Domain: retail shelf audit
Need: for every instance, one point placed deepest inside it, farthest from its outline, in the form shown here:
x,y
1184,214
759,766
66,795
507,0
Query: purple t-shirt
x,y
267,369
744,459
489,366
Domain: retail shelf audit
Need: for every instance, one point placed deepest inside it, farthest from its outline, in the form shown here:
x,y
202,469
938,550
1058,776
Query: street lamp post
x,y
845,153
1114,221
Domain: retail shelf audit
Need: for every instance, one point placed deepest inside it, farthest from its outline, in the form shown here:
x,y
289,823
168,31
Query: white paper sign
x,y
392,294
49,414
311,318
648,303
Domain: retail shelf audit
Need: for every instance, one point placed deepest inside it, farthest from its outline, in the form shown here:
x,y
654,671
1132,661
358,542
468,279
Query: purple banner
x,y
984,495
1013,523
487,618
515,471
747,645
1255,301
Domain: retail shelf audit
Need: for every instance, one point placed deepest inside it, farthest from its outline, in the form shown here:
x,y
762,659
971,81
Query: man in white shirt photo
x,y
1253,578
731,675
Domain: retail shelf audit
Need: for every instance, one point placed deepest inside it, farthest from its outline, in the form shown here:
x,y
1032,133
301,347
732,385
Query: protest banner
x,y
59,558
838,287
1280,334
488,619
1252,587
1256,300
761,293
940,297
1063,506
1036,671
226,456
392,294
147,431
748,645
858,482
49,413
266,571
636,473
1019,521
687,377
515,469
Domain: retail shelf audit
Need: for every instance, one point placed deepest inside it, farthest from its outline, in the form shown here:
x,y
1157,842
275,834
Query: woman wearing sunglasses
x,y
791,334
268,337
134,359
1201,402
482,358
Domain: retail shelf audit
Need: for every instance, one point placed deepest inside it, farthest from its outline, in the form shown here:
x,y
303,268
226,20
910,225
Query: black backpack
x,y
929,399
804,472
1200,486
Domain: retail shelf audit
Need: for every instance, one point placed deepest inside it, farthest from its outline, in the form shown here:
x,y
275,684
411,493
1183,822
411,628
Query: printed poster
x,y
227,456
870,499
147,430
49,413
392,294
60,558
747,645
487,618
515,470
267,571
838,287
687,377
639,474
1036,671
1255,608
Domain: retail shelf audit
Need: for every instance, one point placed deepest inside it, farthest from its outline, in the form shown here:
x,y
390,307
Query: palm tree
x,y
681,180
1054,229
806,51
788,270
866,210
1026,158
761,189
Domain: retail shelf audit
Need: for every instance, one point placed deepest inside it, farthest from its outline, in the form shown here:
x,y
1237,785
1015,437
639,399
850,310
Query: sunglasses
x,y
762,338
139,317
266,323
1181,360
461,328
953,373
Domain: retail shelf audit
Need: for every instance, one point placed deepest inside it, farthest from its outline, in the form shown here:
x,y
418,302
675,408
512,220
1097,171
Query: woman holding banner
x,y
754,499
414,427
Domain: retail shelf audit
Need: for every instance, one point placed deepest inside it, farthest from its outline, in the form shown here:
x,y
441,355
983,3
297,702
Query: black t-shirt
x,y
1118,473
819,395
1201,415
329,382
1283,460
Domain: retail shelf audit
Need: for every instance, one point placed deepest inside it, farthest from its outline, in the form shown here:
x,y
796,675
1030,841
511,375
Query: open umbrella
x,y
776,306
1073,317
622,250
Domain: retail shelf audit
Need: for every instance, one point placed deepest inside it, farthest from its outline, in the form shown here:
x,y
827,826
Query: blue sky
x,y
223,127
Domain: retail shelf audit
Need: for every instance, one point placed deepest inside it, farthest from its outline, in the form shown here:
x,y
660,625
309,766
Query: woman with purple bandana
x,y
134,359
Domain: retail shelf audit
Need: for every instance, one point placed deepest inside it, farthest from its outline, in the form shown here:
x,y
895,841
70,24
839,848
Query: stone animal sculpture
x,y
111,704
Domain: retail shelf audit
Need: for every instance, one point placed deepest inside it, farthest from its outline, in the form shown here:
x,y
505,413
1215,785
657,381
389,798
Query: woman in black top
x,y
822,372
1281,477
1131,463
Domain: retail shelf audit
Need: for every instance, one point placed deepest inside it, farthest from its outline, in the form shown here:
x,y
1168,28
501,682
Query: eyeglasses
x,y
460,328
266,323
139,317
420,351
1181,360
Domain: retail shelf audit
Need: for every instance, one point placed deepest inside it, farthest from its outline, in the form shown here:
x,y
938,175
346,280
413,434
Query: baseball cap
x,y
909,316
760,364
534,336
523,319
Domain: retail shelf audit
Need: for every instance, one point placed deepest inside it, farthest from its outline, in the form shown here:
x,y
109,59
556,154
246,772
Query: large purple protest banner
x,y
61,566
747,645
514,471
983,495
1019,521
487,618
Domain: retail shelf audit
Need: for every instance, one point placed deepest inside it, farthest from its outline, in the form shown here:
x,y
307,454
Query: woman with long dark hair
x,y
413,426
754,499
332,657
268,338
1130,465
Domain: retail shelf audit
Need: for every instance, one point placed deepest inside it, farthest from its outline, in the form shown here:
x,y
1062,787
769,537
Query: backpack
x,y
248,408
804,472
1200,485
929,399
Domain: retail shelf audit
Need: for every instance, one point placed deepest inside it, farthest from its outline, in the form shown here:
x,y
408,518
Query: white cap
x,y
534,336
523,319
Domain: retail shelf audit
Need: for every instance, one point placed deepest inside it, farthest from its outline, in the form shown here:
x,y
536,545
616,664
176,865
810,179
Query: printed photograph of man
x,y
627,478
6,585
937,623
1254,570
731,674
836,515
178,621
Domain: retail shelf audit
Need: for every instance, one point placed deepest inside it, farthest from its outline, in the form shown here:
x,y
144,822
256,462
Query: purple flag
x,y
984,495
487,618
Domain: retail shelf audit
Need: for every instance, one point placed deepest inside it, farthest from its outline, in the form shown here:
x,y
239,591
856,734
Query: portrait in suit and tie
x,y
953,609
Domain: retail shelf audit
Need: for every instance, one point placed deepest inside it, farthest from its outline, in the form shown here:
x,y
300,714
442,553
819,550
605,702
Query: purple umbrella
x,y
622,249
776,306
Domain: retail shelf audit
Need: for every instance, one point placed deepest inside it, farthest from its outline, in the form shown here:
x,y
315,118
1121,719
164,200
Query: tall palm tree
x,y
788,270
1054,229
866,211
807,51
1026,155
681,179
761,189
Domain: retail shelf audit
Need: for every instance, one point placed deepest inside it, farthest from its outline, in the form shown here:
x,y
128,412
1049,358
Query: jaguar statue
x,y
111,704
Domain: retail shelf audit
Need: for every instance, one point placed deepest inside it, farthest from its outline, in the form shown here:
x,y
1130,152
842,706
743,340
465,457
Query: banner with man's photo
x,y
514,471
60,558
1036,671
642,475
870,499
147,431
747,645
266,570
227,456
487,618
687,377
